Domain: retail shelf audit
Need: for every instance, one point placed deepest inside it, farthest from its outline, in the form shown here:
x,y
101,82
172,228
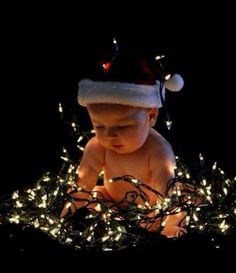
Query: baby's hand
x,y
173,231
66,209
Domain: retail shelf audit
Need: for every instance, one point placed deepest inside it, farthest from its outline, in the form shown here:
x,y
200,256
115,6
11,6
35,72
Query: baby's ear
x,y
153,114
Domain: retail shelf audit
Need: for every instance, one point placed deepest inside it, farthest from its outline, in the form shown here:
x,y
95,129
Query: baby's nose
x,y
111,132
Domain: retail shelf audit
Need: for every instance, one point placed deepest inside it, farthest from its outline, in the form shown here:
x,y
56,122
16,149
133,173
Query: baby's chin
x,y
122,149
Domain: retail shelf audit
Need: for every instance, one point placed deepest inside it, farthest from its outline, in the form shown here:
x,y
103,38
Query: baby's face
x,y
120,128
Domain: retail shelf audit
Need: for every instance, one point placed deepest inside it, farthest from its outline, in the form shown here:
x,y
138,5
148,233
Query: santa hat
x,y
133,94
130,77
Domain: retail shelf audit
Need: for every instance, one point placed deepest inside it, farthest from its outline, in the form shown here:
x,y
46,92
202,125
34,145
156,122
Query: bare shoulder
x,y
161,161
94,152
159,147
94,146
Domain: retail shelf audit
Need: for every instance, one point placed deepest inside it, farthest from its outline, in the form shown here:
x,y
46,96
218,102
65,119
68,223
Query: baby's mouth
x,y
117,145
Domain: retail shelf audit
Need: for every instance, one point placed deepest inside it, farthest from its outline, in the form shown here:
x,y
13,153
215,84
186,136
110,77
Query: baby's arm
x,y
162,164
90,166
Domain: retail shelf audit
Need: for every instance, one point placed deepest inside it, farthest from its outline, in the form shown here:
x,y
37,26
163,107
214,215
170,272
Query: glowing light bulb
x,y
60,108
214,166
168,124
159,57
167,77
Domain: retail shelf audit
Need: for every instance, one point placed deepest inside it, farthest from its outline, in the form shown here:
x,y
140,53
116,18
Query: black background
x,y
43,51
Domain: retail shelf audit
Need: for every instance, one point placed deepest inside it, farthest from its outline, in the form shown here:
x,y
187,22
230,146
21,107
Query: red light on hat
x,y
106,66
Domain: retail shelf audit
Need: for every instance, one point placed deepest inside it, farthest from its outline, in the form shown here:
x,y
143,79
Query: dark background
x,y
43,58
43,52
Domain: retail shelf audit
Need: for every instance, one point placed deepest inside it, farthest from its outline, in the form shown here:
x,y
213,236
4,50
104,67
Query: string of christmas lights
x,y
208,201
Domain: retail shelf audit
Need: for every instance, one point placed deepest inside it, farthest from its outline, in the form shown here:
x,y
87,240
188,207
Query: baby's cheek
x,y
141,138
135,144
129,138
133,135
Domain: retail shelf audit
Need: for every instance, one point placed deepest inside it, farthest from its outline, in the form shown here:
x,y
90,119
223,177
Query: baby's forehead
x,y
114,111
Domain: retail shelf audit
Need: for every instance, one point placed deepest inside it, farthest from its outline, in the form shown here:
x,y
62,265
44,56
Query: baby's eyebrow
x,y
124,119
95,121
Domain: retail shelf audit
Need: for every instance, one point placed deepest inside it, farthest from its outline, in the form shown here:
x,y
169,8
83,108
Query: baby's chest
x,y
135,165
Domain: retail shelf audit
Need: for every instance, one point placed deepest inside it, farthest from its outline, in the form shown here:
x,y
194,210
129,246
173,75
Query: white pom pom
x,y
174,83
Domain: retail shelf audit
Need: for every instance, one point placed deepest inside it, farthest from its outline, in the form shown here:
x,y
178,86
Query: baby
x,y
125,143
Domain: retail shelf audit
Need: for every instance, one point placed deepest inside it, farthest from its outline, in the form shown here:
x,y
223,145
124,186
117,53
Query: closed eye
x,y
123,126
99,127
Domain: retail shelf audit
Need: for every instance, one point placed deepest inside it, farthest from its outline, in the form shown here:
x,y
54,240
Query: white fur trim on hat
x,y
138,95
